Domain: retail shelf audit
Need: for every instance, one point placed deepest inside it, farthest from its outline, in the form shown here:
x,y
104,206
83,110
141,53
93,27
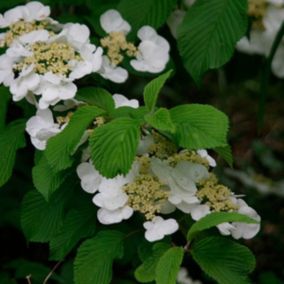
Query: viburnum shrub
x,y
120,182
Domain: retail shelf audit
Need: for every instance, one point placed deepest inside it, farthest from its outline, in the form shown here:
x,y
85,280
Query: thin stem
x,y
51,272
28,277
265,76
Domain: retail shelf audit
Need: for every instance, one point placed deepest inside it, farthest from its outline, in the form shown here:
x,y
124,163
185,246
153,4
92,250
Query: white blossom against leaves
x,y
32,11
153,54
260,40
41,127
121,101
158,228
68,56
204,154
235,229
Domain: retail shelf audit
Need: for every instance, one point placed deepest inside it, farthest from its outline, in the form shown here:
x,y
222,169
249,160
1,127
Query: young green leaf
x,y
152,90
4,99
209,32
152,13
146,271
93,263
61,147
40,219
223,260
96,96
168,266
11,139
215,219
161,120
45,179
114,145
199,126
77,224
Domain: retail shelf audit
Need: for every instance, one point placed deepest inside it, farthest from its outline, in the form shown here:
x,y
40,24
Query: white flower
x,y
158,228
153,54
111,72
6,70
204,154
110,197
236,229
90,177
243,230
52,82
41,127
121,101
111,21
181,181
108,217
183,277
260,41
32,11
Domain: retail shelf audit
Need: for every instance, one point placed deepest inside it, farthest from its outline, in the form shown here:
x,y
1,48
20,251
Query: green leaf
x,y
226,154
224,260
161,120
40,219
61,147
209,32
153,89
4,100
78,224
215,219
11,139
152,13
199,126
45,179
168,266
93,263
114,145
146,271
96,96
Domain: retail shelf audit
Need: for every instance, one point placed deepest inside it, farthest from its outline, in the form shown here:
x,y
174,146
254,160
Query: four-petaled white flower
x,y
158,228
153,54
41,127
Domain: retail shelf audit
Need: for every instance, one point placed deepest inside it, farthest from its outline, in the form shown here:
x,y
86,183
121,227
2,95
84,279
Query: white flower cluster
x,y
268,16
161,180
151,55
43,59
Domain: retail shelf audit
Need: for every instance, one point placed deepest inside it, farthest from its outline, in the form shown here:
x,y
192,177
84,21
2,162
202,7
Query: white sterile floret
x,y
204,154
112,72
6,70
183,278
32,11
181,181
111,21
90,177
41,127
158,228
48,67
260,39
236,230
243,230
121,101
153,51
